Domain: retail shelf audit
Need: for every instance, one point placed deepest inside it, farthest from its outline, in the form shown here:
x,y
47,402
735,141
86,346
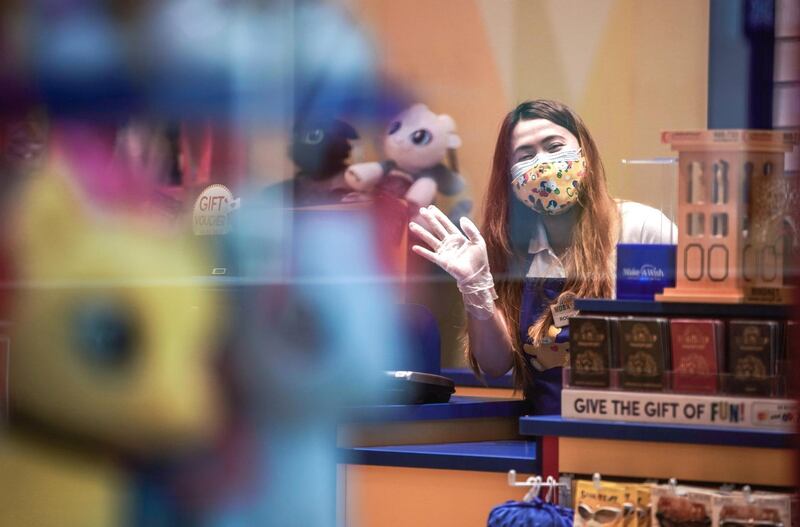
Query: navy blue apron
x,y
543,393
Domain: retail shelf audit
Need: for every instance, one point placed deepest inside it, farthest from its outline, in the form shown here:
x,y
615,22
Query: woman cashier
x,y
550,229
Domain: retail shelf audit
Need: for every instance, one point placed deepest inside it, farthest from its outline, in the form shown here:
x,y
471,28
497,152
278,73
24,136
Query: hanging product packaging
x,y
629,518
599,504
643,505
763,510
681,506
636,509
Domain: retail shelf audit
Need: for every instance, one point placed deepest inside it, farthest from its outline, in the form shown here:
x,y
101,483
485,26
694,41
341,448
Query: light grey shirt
x,y
638,224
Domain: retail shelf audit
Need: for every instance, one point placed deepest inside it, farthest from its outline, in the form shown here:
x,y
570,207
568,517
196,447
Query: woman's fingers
x,y
428,255
470,230
424,235
443,219
437,228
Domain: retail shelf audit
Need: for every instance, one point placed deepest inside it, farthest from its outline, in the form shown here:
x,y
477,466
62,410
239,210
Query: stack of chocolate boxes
x,y
706,356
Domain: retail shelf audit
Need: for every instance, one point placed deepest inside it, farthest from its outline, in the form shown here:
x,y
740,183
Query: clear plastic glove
x,y
464,257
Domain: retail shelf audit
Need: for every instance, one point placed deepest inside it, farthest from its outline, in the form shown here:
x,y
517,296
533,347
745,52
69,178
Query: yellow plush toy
x,y
109,353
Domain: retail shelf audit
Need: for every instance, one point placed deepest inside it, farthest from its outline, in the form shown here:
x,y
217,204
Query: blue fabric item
x,y
423,349
544,393
536,513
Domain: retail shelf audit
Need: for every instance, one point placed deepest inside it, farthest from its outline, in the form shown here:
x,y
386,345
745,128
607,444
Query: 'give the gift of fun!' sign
x,y
668,408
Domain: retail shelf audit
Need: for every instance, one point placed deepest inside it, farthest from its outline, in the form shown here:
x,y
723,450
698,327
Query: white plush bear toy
x,y
416,145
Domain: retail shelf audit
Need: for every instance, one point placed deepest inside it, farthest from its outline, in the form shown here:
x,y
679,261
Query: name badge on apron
x,y
563,310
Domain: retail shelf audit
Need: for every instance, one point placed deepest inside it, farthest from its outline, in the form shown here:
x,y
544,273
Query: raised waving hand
x,y
462,255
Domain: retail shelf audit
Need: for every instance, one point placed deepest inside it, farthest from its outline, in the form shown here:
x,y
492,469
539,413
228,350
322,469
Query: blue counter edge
x,y
459,407
466,377
553,425
487,456
683,309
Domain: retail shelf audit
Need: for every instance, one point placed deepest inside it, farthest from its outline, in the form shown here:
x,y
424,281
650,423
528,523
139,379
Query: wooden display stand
x,y
733,199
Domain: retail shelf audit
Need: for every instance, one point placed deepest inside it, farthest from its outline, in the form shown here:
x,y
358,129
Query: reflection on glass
x,y
747,182
696,223
719,224
697,185
719,188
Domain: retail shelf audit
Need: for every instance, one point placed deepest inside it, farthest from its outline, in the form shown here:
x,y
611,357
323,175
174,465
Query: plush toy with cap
x,y
416,145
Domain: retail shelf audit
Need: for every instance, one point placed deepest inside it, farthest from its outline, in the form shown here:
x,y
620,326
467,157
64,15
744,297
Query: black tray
x,y
411,387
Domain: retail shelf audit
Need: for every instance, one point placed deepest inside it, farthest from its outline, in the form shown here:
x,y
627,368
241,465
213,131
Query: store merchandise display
x,y
595,502
644,352
678,370
733,201
634,504
652,363
698,347
592,352
698,506
755,348
600,503
533,509
420,148
679,355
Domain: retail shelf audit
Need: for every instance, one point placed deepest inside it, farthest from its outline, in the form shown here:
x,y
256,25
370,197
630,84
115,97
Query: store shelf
x,y
485,456
703,435
681,309
685,452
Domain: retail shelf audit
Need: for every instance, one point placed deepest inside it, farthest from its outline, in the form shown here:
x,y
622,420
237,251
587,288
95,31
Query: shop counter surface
x,y
462,419
487,456
459,407
553,425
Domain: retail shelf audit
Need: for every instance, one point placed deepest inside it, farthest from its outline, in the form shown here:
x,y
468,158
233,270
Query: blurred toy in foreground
x,y
23,139
311,339
416,145
109,357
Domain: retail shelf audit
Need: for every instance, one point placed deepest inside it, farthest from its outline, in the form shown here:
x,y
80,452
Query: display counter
x,y
485,456
749,448
693,453
462,419
440,464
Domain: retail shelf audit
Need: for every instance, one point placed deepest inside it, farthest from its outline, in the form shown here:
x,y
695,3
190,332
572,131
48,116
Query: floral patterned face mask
x,y
549,183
